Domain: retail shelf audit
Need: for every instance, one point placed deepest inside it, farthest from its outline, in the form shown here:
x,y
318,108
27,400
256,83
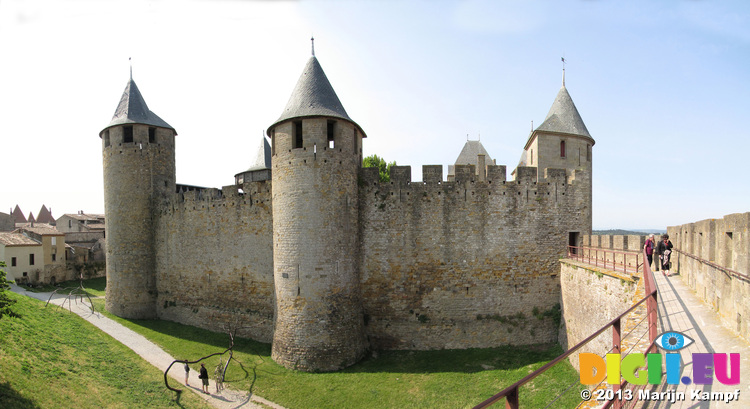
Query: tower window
x,y
297,134
106,138
31,259
532,158
588,153
127,134
562,149
151,135
330,126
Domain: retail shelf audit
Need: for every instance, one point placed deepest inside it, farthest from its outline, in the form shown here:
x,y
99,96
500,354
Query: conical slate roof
x,y
262,158
563,117
468,155
132,109
313,96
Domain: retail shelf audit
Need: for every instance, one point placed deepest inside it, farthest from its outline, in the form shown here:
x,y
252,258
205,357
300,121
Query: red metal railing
x,y
727,271
511,393
623,261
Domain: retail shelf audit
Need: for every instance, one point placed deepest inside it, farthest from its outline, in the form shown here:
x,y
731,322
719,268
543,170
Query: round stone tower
x,y
316,156
139,172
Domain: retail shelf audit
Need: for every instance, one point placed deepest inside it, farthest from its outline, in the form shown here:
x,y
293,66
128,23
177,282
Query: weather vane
x,y
563,62
312,41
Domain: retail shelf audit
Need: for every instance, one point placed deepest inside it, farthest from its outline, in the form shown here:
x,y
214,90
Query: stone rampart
x,y
466,263
712,258
214,260
607,293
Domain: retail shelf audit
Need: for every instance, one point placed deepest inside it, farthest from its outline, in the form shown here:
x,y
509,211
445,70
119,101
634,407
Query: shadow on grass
x,y
10,398
424,362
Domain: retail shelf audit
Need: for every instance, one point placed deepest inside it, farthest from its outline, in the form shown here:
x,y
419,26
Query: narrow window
x,y
151,134
70,223
127,134
54,257
532,157
588,153
329,129
562,149
31,259
106,138
297,134
54,241
13,262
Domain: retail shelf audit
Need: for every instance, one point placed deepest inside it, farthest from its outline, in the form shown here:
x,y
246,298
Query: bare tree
x,y
73,293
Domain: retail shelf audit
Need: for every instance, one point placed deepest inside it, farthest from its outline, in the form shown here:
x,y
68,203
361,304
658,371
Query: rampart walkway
x,y
681,310
227,399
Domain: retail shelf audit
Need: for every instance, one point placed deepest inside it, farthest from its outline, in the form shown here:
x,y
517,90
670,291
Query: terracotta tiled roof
x,y
17,239
42,230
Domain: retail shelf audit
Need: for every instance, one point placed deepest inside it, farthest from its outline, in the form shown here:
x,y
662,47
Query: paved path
x,y
226,399
681,310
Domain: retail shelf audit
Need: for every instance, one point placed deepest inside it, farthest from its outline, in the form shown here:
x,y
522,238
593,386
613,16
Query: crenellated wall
x,y
214,260
712,258
467,263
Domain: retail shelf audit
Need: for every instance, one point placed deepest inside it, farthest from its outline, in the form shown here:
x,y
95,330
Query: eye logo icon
x,y
673,341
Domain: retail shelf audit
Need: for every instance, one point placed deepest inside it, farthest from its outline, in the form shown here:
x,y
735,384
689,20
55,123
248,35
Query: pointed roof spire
x,y
132,109
44,215
563,117
18,215
313,96
563,62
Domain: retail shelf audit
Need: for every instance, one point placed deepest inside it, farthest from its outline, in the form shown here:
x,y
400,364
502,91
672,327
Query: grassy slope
x,y
51,358
395,379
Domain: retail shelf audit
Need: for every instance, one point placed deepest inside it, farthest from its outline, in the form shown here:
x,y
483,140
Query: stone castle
x,y
318,256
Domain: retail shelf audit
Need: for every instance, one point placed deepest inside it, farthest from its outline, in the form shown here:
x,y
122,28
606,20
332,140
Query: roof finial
x,y
130,60
479,135
532,125
312,41
563,61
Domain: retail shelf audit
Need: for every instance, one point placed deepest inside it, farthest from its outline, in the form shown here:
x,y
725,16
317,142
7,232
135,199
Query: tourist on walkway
x,y
187,373
649,248
204,378
665,252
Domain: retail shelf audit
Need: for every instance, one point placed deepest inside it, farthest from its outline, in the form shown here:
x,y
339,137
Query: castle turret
x,y
562,142
139,172
316,156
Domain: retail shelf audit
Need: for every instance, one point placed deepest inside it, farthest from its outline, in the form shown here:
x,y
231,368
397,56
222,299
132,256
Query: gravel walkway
x,y
226,399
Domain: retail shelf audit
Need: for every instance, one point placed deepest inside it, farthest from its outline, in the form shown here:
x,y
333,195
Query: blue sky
x,y
662,87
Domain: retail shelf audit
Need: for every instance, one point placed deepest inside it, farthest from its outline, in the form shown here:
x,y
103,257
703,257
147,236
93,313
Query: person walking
x,y
665,253
649,248
204,377
187,373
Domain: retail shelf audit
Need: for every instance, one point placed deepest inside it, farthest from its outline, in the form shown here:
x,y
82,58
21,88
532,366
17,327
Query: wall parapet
x,y
707,254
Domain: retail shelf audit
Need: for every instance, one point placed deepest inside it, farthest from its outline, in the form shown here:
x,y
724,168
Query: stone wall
x,y
214,260
467,263
607,293
721,245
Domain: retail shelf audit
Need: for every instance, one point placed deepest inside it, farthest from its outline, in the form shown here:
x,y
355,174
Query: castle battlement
x,y
310,251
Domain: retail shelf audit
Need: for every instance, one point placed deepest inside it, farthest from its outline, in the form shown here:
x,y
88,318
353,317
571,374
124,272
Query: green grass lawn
x,y
395,379
93,286
51,358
